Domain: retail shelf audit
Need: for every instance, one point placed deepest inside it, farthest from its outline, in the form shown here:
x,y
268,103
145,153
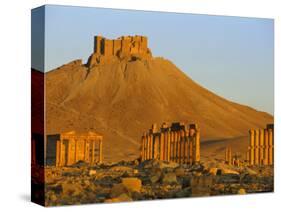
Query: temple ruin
x,y
261,146
176,143
130,47
69,148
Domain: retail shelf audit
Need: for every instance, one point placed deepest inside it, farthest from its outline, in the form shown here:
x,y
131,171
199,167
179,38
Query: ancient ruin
x,y
176,143
261,146
130,47
231,159
69,148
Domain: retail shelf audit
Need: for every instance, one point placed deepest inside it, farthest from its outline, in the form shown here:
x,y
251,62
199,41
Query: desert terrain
x,y
120,97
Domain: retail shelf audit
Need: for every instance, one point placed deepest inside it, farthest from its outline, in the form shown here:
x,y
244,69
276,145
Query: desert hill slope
x,y
122,98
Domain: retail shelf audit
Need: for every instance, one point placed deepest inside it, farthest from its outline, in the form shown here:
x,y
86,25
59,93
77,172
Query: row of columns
x,y
260,150
70,151
231,159
180,145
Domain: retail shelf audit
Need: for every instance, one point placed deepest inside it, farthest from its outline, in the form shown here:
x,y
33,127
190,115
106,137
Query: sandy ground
x,y
215,149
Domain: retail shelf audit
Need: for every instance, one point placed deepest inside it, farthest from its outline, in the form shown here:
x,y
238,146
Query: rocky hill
x,y
121,97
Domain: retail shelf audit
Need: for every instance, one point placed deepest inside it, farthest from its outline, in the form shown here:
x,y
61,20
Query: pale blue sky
x,y
231,56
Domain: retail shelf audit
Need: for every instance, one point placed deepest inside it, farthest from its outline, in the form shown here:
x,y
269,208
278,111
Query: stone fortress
x,y
124,47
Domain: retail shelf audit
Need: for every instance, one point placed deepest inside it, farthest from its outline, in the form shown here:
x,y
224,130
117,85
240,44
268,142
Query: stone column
x,y
151,145
63,152
58,153
92,146
270,152
70,153
182,134
76,152
100,150
190,149
148,147
168,146
161,146
186,152
257,158
197,146
156,147
266,147
175,138
172,146
179,147
261,146
192,141
228,156
251,147
175,146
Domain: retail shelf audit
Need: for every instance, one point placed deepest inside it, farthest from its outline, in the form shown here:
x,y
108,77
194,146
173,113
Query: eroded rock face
x,y
128,181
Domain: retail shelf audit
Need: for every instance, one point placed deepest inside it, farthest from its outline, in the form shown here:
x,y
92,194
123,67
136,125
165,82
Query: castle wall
x,y
125,48
126,45
97,47
143,44
116,46
108,47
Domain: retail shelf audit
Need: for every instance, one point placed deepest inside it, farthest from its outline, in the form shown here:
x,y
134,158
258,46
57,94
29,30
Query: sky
x,y
231,56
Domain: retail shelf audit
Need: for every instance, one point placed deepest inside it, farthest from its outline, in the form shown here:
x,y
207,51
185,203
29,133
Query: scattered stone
x,y
225,171
117,190
201,186
71,189
92,172
242,191
197,174
155,178
180,172
169,178
213,171
121,198
132,184
186,192
125,181
250,171
121,169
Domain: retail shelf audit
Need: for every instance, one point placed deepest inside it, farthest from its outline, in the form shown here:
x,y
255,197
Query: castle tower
x,y
97,44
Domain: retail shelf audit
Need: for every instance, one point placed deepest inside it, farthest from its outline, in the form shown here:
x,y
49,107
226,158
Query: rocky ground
x,y
129,181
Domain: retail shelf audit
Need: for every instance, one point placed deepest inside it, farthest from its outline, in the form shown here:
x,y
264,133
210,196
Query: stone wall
x,y
126,45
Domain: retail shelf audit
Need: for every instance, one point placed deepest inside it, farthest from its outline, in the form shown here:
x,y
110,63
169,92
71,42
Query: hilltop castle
x,y
124,47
